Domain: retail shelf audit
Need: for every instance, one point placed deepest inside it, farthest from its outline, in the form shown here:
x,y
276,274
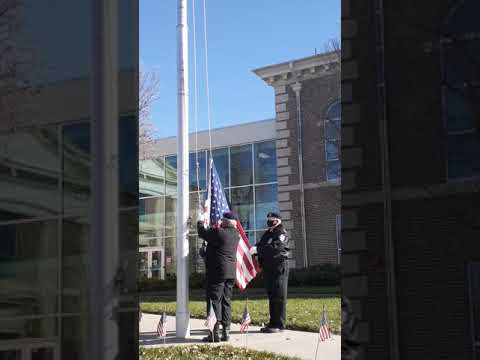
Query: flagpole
x,y
182,314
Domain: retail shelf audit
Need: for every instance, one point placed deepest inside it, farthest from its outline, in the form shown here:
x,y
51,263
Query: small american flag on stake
x,y
211,319
324,332
246,320
162,326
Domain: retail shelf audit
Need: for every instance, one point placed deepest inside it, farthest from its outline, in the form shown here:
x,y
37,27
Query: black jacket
x,y
221,253
272,249
350,344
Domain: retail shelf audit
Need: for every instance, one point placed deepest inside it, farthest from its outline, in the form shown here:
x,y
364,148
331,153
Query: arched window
x,y
461,88
333,141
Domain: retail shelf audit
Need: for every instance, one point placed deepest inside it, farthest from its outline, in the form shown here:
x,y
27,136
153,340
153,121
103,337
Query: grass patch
x,y
206,352
302,313
251,293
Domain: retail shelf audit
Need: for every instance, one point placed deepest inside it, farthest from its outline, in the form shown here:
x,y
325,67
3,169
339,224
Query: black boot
x,y
226,333
216,335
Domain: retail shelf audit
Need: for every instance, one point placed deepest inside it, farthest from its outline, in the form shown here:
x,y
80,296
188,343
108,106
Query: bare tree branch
x,y
149,90
16,63
333,45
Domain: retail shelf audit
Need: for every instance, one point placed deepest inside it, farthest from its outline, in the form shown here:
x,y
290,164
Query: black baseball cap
x,y
274,215
229,215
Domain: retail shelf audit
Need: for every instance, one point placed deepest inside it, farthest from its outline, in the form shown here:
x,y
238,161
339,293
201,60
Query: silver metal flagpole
x,y
182,312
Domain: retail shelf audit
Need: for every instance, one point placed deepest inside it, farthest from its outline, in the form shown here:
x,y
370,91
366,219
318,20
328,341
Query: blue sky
x,y
242,36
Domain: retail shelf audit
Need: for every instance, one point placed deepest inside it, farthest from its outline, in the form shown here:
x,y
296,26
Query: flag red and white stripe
x,y
211,319
247,267
246,320
324,332
162,326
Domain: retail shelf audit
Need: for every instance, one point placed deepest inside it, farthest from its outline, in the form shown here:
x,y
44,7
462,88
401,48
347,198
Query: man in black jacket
x,y
220,261
350,344
272,253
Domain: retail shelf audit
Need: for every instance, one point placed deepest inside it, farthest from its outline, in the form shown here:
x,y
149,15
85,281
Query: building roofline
x,y
218,129
312,63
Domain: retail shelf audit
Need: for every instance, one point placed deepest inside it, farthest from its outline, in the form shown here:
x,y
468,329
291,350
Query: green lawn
x,y
303,313
205,352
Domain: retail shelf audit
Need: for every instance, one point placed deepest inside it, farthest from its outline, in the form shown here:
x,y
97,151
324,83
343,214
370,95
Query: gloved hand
x,y
203,250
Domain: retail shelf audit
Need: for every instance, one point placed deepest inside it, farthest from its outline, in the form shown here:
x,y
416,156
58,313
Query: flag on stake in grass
x,y
324,332
211,319
162,325
246,320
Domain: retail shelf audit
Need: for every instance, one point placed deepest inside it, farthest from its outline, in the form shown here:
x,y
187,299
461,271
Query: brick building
x,y
410,177
307,104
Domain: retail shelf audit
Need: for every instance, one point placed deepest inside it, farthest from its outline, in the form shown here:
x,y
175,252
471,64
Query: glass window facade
x,y
461,85
45,176
249,176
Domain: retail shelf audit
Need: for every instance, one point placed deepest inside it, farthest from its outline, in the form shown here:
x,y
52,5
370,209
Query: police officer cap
x,y
274,215
229,215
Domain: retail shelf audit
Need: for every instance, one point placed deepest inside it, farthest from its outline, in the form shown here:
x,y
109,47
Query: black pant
x,y
276,281
219,295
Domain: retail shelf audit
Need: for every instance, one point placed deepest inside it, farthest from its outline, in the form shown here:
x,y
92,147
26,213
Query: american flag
x,y
217,204
246,320
324,332
162,326
211,319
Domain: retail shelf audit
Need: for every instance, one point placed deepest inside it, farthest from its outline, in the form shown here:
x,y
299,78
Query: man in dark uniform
x,y
220,261
350,343
272,253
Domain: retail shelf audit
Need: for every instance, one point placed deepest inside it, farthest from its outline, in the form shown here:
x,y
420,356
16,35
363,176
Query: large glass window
x,y
265,162
76,169
251,197
464,156
76,232
30,174
170,216
45,175
128,247
152,220
202,171
461,86
332,131
220,159
29,272
171,175
152,177
241,167
266,200
242,203
74,337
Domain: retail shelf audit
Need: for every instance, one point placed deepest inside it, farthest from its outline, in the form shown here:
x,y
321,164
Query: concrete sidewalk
x,y
292,343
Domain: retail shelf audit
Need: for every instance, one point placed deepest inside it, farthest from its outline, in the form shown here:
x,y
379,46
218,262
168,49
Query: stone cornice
x,y
301,69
